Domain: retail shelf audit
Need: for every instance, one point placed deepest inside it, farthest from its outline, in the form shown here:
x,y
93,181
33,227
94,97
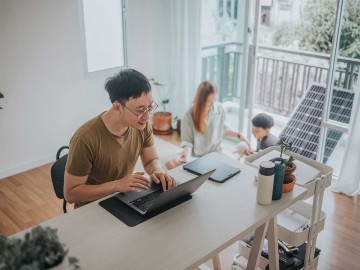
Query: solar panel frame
x,y
304,125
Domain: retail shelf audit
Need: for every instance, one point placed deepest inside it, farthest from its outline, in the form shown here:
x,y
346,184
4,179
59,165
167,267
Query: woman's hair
x,y
205,89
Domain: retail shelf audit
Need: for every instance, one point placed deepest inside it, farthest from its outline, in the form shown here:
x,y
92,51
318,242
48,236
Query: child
x,y
261,125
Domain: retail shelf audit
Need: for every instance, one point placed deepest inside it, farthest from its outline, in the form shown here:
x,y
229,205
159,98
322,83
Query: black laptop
x,y
207,163
155,197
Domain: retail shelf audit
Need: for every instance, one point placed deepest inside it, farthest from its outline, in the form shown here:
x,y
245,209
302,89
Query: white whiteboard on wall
x,y
104,34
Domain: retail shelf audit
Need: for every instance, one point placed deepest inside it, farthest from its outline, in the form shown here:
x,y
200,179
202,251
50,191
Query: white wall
x,y
48,93
148,24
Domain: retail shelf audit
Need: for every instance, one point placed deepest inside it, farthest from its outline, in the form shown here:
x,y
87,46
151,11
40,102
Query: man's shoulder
x,y
88,128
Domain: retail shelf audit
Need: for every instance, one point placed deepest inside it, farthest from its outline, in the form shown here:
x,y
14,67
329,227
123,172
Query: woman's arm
x,y
240,136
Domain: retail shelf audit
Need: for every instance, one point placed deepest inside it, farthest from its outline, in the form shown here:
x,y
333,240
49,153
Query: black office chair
x,y
57,175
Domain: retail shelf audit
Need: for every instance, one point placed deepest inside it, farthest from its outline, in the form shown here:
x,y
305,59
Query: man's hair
x,y
126,84
263,120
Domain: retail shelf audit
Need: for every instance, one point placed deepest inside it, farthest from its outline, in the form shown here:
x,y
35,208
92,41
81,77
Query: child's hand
x,y
241,147
248,152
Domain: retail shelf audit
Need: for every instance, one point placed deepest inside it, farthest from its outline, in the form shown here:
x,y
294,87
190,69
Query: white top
x,y
210,141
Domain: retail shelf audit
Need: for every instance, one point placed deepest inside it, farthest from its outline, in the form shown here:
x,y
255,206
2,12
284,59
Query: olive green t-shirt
x,y
101,155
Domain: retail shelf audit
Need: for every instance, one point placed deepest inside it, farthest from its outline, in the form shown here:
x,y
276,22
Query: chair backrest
x,y
57,175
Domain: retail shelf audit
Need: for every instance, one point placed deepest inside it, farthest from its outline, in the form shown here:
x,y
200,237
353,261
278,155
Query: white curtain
x,y
185,58
349,179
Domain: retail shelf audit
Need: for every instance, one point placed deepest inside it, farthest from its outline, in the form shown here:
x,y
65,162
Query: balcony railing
x,y
282,75
220,65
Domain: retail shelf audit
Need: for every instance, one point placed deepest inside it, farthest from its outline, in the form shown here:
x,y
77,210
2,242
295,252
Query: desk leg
x,y
256,247
273,244
216,262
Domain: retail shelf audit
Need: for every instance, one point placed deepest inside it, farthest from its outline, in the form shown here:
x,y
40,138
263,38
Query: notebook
x,y
156,197
206,163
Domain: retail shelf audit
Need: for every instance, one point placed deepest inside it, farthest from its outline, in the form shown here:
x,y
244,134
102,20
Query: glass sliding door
x,y
225,54
296,48
343,76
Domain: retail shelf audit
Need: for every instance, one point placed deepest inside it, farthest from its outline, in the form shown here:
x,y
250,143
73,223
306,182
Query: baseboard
x,y
26,166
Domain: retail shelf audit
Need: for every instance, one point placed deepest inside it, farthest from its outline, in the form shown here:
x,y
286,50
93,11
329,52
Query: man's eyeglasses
x,y
150,109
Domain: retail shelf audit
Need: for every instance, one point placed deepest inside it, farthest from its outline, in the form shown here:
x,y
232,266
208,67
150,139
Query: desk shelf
x,y
241,258
299,213
301,222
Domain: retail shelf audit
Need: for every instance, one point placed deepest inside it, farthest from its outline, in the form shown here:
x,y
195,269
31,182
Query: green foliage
x,y
350,31
289,160
164,100
155,82
225,28
40,249
284,145
285,34
1,96
316,29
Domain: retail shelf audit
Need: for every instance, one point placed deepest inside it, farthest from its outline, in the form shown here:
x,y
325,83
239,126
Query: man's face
x,y
136,113
259,132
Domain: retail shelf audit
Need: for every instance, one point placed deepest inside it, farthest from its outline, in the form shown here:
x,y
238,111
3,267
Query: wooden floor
x,y
28,198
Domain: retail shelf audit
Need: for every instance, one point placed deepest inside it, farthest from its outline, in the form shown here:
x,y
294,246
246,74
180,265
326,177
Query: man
x,y
103,152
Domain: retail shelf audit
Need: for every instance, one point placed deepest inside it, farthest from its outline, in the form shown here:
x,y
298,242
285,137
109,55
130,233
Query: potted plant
x,y
161,120
176,124
290,166
1,96
39,249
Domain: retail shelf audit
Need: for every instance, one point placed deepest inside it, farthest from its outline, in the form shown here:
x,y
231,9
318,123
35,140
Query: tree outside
x,y
315,31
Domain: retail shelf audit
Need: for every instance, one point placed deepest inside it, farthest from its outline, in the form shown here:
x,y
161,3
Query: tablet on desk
x,y
206,163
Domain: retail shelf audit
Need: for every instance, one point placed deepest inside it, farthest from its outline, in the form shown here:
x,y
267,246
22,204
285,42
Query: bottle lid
x,y
266,168
279,165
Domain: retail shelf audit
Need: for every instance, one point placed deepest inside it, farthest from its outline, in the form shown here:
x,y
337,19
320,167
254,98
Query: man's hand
x,y
133,182
166,180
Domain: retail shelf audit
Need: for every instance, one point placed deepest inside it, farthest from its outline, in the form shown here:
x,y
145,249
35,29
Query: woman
x,y
202,127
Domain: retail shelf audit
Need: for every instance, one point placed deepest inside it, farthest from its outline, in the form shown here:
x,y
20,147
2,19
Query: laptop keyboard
x,y
145,202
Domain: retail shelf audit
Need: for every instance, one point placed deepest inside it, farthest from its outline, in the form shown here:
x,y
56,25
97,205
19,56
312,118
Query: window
x,y
104,26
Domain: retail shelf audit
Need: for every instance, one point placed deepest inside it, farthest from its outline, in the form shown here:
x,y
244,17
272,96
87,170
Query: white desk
x,y
181,238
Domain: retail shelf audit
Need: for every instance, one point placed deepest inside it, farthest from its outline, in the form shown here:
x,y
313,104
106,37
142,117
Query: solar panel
x,y
303,127
341,105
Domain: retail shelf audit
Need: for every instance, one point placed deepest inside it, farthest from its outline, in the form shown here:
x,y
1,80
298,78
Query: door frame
x,y
326,122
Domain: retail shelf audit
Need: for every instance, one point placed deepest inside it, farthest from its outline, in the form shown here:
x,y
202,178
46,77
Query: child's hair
x,y
199,109
263,120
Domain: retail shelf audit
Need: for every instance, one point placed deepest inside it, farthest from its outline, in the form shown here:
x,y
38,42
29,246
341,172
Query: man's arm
x,y
76,190
152,166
